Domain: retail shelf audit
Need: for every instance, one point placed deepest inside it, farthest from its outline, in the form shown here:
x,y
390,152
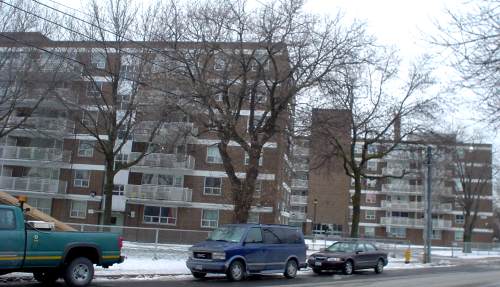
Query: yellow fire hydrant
x,y
407,256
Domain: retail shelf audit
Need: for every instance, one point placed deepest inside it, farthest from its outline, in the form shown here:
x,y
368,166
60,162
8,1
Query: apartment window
x,y
253,217
371,198
459,235
372,149
82,178
121,159
213,186
42,204
78,209
98,60
459,219
86,149
219,97
370,214
209,218
371,165
160,215
369,231
94,89
247,159
436,234
213,155
162,179
371,183
219,62
119,189
258,188
397,232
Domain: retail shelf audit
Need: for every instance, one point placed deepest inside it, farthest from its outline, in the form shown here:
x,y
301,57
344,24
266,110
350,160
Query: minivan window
x,y
227,233
270,237
7,221
254,235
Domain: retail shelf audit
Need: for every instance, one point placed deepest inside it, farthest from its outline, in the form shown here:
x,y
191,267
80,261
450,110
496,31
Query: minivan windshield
x,y
227,234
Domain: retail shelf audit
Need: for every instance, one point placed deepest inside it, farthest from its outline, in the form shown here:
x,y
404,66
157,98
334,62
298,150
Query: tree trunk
x,y
356,208
467,233
243,194
108,192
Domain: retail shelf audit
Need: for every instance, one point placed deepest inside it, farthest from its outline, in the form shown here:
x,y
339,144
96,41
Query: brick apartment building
x,y
55,164
390,207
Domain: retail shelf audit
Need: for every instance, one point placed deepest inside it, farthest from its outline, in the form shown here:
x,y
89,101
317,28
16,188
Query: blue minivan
x,y
238,250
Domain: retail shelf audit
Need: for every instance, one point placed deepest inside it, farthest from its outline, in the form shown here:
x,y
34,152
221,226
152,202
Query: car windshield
x,y
342,247
227,233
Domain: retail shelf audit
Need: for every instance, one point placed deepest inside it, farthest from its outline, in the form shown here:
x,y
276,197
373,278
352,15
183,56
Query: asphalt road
x,y
483,275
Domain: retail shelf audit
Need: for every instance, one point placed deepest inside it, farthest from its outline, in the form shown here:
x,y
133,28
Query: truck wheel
x,y
46,278
291,269
79,272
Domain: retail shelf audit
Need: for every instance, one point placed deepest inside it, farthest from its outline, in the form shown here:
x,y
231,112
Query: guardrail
x,y
34,153
33,184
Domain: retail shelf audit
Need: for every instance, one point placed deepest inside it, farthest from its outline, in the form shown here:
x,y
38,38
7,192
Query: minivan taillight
x,y
120,243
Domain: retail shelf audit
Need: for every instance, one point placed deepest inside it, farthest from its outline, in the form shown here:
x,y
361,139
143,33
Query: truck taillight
x,y
120,243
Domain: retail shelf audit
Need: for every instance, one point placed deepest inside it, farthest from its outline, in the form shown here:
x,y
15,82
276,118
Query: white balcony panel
x,y
158,192
32,184
298,200
34,153
300,183
164,160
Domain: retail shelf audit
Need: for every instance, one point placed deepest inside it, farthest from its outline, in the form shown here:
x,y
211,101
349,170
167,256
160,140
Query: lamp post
x,y
315,202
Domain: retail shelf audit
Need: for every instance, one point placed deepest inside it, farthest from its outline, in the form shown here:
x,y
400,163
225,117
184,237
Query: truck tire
x,y
79,272
46,278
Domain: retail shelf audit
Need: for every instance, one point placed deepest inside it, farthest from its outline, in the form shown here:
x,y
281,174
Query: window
x,y
219,62
94,89
219,97
369,231
371,183
82,178
247,159
213,155
258,189
270,237
371,198
78,209
254,235
253,217
372,149
120,160
370,247
436,234
209,218
459,219
42,204
119,189
371,165
213,186
396,232
86,149
7,219
160,215
459,235
98,60
370,214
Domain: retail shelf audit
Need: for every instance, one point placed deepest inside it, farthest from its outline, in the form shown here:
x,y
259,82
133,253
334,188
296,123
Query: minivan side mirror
x,y
359,251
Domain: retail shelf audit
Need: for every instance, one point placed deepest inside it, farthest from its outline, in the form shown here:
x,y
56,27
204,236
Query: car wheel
x,y
79,272
236,271
199,275
348,267
46,278
379,268
291,269
317,270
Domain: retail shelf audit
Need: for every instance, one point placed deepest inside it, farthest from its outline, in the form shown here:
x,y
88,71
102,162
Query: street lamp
x,y
315,202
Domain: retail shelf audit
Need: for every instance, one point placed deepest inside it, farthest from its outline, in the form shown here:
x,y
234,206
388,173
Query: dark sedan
x,y
348,256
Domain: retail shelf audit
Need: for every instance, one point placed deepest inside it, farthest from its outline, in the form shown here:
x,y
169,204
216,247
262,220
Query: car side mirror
x,y
359,251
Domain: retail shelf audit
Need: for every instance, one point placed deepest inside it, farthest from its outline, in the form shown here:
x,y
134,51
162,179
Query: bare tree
x,y
377,111
473,37
244,67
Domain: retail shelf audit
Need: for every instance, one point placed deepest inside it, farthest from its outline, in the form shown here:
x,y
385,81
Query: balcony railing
x,y
415,222
32,184
402,188
298,216
34,153
441,223
301,151
298,200
402,205
59,125
165,132
158,192
164,160
300,183
443,207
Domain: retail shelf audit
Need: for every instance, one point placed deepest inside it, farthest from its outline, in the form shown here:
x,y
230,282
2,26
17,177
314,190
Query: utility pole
x,y
428,209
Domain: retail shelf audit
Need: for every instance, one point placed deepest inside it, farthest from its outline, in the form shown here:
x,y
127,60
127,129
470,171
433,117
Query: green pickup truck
x,y
51,255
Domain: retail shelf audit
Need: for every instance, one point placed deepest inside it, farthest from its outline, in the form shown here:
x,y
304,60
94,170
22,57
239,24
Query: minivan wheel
x,y
348,267
199,275
379,268
236,271
291,269
79,272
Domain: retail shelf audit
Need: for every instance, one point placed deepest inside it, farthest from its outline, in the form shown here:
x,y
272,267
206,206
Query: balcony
x,y
300,183
301,151
441,223
177,131
34,153
402,205
163,160
43,124
158,192
298,216
402,188
32,184
298,200
402,221
443,207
